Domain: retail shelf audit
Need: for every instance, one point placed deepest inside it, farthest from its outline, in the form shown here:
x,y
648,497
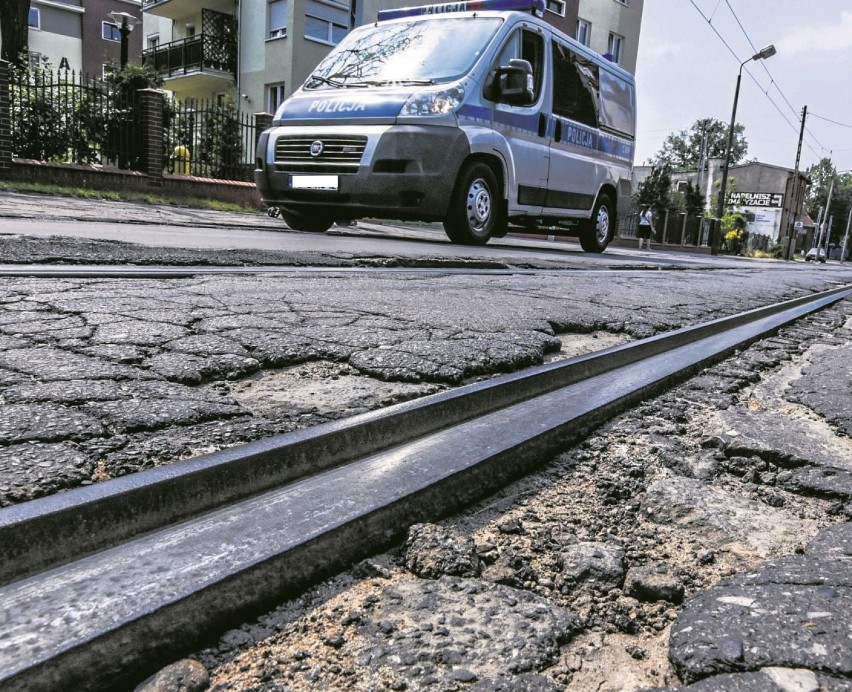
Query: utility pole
x,y
846,236
818,232
827,215
794,194
828,234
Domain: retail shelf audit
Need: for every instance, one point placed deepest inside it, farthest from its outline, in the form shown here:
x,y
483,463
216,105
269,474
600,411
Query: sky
x,y
687,71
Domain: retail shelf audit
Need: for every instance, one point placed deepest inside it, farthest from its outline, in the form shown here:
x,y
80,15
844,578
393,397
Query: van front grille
x,y
324,154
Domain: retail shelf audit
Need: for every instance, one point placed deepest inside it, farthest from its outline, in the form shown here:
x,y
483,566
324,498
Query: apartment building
x,y
80,35
194,45
611,28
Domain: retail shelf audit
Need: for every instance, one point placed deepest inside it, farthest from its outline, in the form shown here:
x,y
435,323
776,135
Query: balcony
x,y
180,9
203,54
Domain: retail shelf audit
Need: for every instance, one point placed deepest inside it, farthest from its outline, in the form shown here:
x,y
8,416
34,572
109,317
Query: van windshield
x,y
405,53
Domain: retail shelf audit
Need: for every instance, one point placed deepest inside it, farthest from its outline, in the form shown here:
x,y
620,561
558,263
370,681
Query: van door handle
x,y
542,125
557,135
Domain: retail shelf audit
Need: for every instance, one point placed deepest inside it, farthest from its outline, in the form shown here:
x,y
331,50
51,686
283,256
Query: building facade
x,y
611,28
771,198
80,35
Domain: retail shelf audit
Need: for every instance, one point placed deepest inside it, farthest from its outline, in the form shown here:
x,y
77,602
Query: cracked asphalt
x,y
701,539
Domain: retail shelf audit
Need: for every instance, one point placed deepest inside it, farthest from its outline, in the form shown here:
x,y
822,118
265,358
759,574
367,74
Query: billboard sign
x,y
756,199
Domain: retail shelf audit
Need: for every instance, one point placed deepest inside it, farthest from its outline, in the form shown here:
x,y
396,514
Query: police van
x,y
478,114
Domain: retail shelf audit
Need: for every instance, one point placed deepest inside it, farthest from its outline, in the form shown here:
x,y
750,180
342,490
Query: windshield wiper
x,y
335,83
400,82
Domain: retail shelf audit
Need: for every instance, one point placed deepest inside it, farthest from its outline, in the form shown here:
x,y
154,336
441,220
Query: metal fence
x,y
209,139
673,228
66,117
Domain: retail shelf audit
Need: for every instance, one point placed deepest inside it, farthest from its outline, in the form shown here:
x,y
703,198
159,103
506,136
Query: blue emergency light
x,y
534,6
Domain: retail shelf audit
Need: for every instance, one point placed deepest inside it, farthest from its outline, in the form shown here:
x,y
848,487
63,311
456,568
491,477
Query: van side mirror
x,y
512,83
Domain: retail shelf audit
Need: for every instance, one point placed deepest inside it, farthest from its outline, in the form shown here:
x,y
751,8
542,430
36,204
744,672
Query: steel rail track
x,y
119,271
103,583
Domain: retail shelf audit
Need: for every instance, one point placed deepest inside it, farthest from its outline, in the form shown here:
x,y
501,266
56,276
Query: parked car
x,y
815,254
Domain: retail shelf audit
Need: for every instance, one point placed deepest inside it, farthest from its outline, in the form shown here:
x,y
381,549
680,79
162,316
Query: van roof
x,y
536,7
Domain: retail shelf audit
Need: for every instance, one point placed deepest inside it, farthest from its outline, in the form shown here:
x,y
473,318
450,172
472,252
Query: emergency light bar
x,y
534,6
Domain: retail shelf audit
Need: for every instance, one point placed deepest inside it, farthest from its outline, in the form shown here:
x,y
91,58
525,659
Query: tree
x,y
683,150
822,175
14,29
655,190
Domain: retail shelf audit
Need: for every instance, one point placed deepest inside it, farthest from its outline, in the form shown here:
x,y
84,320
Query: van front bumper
x,y
405,171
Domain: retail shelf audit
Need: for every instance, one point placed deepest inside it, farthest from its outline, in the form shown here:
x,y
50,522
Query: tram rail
x,y
102,583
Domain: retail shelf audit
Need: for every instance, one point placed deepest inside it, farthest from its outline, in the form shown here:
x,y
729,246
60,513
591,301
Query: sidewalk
x,y
35,206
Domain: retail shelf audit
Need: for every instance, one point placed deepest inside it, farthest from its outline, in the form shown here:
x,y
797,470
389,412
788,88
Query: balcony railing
x,y
201,53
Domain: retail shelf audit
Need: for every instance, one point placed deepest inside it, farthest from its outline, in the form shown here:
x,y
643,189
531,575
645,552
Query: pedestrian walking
x,y
646,226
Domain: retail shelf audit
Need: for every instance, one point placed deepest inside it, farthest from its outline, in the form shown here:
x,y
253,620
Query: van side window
x,y
529,46
575,86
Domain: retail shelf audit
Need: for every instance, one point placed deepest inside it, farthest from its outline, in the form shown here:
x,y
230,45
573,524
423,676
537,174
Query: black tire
x,y
302,222
597,232
475,213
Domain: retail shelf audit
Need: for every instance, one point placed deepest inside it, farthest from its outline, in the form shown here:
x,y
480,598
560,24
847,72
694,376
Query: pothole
x,y
574,345
321,388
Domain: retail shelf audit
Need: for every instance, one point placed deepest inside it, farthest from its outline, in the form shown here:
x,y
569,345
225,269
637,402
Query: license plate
x,y
313,182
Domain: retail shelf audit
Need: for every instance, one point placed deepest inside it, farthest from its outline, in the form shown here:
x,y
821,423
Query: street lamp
x,y
125,23
762,54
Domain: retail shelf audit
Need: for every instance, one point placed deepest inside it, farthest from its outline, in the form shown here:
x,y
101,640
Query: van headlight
x,y
434,101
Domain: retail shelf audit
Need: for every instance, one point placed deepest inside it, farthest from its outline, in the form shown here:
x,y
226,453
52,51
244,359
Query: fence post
x,y
5,119
150,124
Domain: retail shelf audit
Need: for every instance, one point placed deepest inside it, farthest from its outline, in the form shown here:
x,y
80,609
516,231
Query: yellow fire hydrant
x,y
182,159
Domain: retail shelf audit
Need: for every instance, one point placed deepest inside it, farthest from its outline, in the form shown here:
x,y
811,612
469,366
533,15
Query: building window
x,y
110,32
274,96
34,19
584,32
326,22
277,18
623,2
153,41
615,48
190,30
556,6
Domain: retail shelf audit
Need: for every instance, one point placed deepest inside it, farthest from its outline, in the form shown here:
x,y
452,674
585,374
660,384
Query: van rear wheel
x,y
299,221
474,214
597,232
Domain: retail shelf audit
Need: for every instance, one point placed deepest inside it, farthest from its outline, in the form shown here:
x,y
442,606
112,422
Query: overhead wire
x,y
773,82
754,79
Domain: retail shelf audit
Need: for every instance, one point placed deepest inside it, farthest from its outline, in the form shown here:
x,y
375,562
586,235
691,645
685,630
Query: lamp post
x,y
125,23
762,54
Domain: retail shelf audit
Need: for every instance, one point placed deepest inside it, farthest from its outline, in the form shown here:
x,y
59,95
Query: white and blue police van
x,y
478,114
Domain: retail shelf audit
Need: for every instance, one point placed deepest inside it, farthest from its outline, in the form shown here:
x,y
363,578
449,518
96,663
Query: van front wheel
x,y
475,209
598,231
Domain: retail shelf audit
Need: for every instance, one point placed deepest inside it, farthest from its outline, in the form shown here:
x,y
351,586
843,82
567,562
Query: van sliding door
x,y
577,166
